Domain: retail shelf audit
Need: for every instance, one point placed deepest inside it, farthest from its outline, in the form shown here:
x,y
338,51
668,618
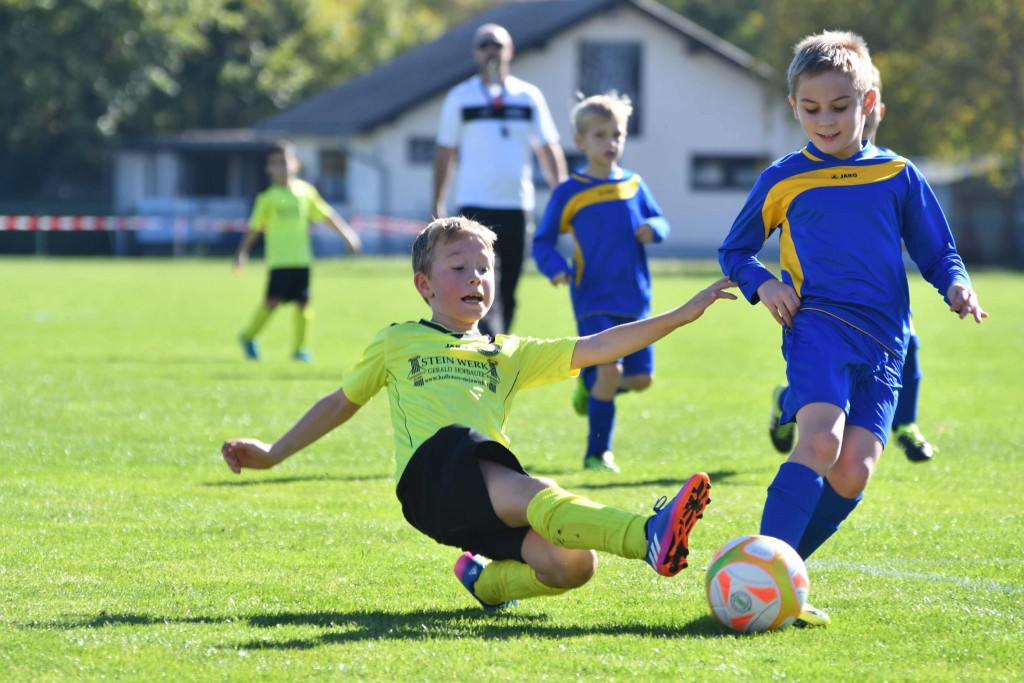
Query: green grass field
x,y
129,551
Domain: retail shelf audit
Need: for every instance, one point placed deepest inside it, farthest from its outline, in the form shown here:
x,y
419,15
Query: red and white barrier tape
x,y
359,223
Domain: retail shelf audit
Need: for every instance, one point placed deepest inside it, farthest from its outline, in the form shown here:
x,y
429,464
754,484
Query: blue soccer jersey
x,y
841,222
609,272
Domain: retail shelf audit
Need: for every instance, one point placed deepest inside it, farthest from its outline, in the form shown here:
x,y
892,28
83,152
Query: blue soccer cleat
x,y
668,531
467,570
251,348
303,356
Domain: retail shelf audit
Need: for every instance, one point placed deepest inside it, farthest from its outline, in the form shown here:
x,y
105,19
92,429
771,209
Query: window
x,y
726,172
421,150
332,182
608,66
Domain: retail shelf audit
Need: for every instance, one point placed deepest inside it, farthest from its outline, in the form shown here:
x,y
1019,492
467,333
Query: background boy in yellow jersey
x,y
450,389
283,213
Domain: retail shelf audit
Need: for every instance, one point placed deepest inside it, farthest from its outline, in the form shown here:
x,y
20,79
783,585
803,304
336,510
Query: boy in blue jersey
x,y
611,215
842,207
904,424
450,389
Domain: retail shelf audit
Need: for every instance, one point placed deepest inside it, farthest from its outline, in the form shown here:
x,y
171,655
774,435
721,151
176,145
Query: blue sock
x,y
602,424
906,403
831,511
792,498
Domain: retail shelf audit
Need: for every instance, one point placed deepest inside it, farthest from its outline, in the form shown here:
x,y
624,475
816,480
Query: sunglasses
x,y
489,42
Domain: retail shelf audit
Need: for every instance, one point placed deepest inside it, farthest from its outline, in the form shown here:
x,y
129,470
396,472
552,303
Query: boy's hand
x,y
645,234
696,306
239,262
780,299
239,453
964,302
560,279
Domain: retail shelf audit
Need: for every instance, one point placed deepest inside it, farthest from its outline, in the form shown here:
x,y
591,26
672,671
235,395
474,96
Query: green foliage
x,y
81,74
130,552
953,72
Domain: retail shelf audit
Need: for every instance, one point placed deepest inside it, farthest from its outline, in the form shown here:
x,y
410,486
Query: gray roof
x,y
422,72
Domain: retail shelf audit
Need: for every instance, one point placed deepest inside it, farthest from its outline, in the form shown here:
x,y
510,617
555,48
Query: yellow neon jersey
x,y
436,377
283,214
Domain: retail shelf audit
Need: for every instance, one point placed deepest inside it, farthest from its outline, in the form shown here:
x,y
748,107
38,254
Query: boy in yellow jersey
x,y
450,389
283,213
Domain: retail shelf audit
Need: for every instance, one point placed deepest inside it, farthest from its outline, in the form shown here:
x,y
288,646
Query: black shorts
x,y
443,494
289,284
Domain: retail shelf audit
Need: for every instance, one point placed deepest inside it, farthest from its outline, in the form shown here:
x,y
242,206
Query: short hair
x,y
841,51
283,147
444,231
609,105
876,79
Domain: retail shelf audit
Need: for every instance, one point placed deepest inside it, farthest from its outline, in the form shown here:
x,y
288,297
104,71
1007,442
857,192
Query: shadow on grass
x,y
672,485
357,626
264,481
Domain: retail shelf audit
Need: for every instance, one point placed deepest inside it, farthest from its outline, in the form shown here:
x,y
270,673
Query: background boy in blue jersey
x,y
904,424
450,389
842,207
610,214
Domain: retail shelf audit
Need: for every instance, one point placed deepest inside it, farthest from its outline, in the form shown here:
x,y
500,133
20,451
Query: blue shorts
x,y
637,363
828,361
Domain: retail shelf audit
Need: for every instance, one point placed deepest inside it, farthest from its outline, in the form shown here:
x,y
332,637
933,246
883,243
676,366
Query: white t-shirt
x,y
495,143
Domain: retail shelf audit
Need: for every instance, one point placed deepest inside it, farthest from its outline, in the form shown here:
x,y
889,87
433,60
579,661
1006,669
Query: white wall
x,y
694,103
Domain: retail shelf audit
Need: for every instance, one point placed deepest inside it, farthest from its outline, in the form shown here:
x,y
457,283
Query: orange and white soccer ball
x,y
756,583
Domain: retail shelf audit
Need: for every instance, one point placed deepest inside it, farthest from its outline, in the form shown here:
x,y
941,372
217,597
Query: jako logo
x,y
841,176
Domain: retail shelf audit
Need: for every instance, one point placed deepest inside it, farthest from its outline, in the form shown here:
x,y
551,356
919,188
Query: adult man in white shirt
x,y
494,122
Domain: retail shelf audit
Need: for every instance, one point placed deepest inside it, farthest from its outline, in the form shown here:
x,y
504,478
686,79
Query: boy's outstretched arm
x,y
964,302
622,340
345,231
327,414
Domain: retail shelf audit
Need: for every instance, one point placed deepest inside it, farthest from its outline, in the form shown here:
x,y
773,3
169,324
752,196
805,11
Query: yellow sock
x,y
504,580
571,521
259,318
301,324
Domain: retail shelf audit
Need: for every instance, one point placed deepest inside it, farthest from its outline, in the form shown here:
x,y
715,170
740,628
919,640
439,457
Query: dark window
x,y
332,182
726,172
421,150
606,66
205,175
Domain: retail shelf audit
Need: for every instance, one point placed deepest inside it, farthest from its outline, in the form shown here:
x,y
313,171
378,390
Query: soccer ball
x,y
756,583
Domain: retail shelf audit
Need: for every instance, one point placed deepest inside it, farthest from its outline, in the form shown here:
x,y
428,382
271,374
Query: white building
x,y
708,117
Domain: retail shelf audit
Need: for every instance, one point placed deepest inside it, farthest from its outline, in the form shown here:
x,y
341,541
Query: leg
x,y
300,329
570,521
511,245
601,414
781,434
794,493
256,323
904,423
844,487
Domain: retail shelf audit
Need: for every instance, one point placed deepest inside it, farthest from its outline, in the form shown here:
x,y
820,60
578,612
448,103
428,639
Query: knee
x,y
641,382
823,446
609,373
574,569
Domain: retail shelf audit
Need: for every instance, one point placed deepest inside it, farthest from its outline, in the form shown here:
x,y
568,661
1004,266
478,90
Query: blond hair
x,y
607,106
442,231
841,51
